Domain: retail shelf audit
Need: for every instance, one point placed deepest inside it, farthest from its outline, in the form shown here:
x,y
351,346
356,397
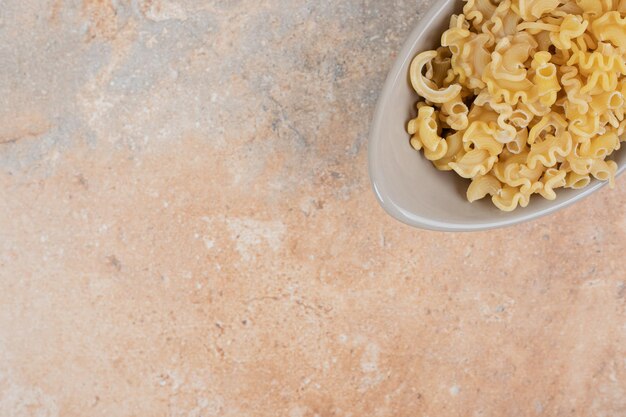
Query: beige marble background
x,y
187,230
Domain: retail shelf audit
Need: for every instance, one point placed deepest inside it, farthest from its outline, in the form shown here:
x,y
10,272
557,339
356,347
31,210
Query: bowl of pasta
x,y
498,112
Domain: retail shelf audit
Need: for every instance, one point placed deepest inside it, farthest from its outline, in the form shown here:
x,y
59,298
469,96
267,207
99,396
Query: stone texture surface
x,y
187,229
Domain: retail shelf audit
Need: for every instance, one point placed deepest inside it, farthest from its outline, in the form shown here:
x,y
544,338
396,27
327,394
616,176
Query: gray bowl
x,y
408,186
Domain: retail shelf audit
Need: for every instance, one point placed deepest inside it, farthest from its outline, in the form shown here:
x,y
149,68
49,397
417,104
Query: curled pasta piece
x,y
509,163
577,181
522,116
568,8
510,197
438,153
483,186
503,22
482,114
600,146
532,10
470,52
455,113
585,125
610,27
578,164
589,62
507,129
425,87
506,76
609,100
601,71
511,54
483,136
473,163
546,153
553,178
545,78
592,8
425,131
471,62
455,150
571,27
600,82
604,171
519,143
515,172
457,35
572,84
552,123
609,119
478,10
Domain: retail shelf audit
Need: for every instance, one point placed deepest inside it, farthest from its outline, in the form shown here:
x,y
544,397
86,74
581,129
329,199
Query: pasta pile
x,y
524,97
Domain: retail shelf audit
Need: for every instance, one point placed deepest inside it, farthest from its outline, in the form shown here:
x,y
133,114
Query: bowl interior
x,y
407,185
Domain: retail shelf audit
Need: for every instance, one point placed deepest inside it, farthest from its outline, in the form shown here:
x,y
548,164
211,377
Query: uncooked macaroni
x,y
524,97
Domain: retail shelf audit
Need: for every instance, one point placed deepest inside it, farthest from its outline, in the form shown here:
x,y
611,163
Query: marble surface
x,y
187,230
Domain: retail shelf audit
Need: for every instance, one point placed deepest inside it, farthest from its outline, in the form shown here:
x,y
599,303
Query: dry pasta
x,y
524,97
